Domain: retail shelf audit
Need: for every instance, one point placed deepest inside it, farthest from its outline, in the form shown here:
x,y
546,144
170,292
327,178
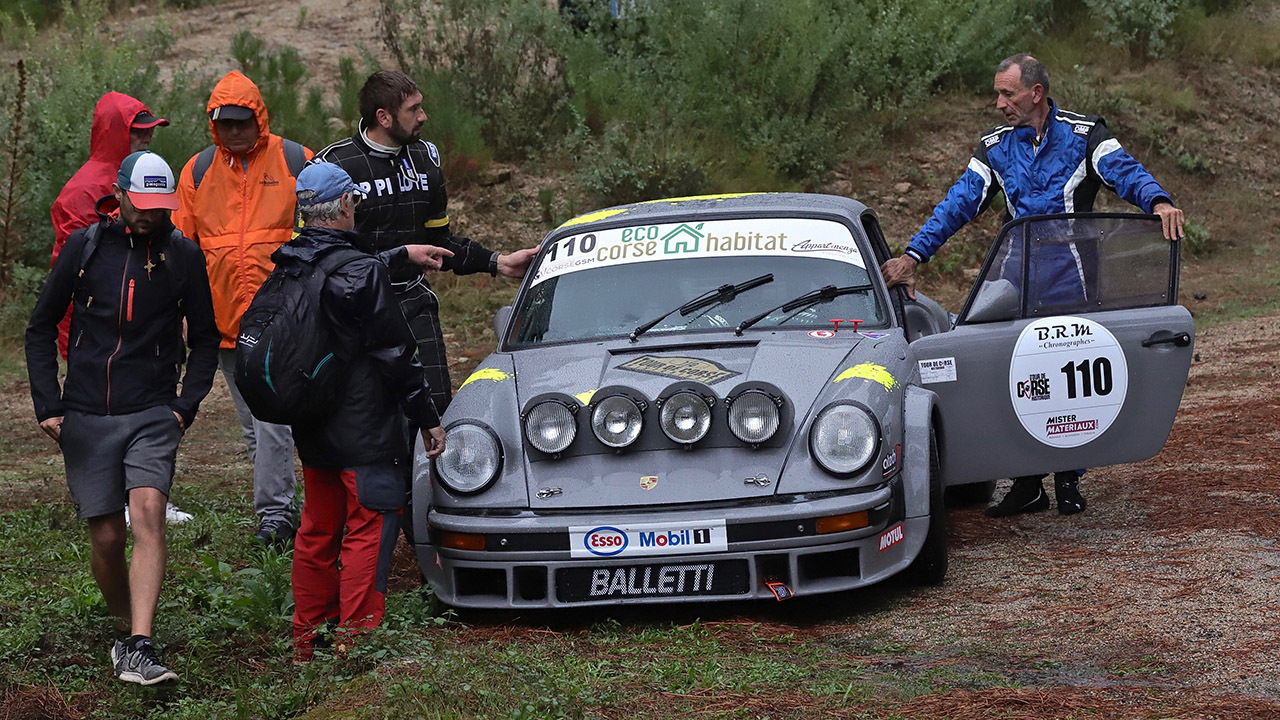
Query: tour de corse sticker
x,y
1067,380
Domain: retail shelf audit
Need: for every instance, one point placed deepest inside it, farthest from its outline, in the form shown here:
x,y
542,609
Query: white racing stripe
x,y
1106,147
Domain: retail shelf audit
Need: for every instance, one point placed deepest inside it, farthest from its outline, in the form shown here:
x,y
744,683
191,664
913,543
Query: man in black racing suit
x,y
405,204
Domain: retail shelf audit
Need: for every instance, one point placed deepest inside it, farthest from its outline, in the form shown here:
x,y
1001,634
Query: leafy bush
x,y
774,92
623,169
499,59
1144,26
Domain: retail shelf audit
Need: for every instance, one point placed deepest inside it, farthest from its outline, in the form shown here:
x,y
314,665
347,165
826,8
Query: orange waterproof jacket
x,y
243,210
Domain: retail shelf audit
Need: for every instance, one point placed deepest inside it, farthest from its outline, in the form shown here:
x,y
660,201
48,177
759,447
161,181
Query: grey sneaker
x,y
140,665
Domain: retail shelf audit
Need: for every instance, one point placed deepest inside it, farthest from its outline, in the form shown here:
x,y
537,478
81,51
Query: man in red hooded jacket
x,y
121,125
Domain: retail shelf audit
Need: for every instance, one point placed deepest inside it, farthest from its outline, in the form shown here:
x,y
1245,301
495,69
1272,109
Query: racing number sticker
x,y
1067,380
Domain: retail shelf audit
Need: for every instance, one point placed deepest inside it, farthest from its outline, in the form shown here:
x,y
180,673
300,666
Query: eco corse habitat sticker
x,y
762,237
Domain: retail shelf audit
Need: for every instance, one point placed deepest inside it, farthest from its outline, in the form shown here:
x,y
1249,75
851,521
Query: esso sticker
x,y
605,541
1067,380
823,334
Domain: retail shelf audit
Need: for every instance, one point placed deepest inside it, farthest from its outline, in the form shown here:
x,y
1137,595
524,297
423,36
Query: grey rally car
x,y
717,398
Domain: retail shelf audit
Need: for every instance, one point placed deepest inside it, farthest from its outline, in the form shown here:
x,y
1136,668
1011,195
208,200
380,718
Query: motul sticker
x,y
891,537
1067,380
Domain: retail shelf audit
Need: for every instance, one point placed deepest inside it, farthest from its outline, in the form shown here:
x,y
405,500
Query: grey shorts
x,y
109,455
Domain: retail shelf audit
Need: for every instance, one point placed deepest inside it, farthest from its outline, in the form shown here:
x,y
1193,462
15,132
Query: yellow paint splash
x,y
585,397
593,217
722,196
872,372
493,374
605,214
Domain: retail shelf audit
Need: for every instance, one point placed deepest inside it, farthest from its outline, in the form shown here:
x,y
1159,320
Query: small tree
x,y
15,163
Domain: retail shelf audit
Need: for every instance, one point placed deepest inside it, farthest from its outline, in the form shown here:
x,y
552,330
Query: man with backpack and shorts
x,y
132,280
330,307
236,199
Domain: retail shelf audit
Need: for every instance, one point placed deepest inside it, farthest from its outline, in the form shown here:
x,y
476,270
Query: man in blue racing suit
x,y
1045,161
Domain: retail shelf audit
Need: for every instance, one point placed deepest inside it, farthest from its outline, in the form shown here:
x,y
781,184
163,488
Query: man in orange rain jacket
x,y
236,200
121,125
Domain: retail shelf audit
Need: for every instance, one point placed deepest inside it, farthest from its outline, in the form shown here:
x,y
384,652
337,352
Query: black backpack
x,y
288,362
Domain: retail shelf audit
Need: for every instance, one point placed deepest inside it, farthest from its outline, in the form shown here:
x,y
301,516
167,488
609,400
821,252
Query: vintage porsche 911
x,y
717,398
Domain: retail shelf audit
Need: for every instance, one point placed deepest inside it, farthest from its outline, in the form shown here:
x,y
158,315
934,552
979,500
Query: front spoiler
x,y
778,542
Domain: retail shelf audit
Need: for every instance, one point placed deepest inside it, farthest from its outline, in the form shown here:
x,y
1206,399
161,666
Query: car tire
x,y
930,566
979,493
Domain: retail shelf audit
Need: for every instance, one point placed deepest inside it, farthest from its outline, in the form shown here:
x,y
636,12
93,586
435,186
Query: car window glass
x,y
608,286
1083,263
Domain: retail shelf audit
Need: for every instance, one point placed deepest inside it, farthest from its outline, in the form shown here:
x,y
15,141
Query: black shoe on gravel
x,y
1067,490
1026,496
137,661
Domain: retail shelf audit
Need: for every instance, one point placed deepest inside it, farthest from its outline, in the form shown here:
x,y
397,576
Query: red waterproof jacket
x,y
108,147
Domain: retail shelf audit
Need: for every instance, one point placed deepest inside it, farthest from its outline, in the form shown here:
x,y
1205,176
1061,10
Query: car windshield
x,y
605,283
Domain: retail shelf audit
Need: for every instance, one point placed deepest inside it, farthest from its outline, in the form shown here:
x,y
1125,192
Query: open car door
x,y
1071,351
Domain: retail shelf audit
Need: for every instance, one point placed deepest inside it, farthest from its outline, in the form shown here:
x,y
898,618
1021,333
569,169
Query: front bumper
x,y
527,562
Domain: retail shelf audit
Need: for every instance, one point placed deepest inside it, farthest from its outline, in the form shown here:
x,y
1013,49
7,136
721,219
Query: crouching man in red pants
x,y
354,461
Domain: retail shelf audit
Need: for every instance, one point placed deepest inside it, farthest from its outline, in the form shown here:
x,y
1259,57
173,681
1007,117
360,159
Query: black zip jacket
x,y
383,377
126,348
406,203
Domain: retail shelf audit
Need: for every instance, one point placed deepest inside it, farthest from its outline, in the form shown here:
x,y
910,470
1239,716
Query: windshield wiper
x,y
722,294
823,294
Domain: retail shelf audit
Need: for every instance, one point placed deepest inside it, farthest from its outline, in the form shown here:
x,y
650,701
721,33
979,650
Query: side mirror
x,y
997,300
500,321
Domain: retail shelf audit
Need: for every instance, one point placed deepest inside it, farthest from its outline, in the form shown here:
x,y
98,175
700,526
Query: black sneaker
x,y
138,662
1067,490
1027,495
275,531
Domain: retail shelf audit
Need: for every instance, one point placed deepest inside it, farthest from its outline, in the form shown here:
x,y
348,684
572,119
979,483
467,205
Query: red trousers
x,y
339,576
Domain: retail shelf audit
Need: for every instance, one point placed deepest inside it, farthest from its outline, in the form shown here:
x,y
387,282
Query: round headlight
x,y
550,427
844,438
470,460
616,421
685,417
753,417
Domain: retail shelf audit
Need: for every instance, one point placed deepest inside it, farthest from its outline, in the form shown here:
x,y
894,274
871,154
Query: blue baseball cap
x,y
322,182
148,180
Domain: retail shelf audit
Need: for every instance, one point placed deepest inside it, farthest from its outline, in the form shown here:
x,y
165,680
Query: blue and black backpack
x,y
288,362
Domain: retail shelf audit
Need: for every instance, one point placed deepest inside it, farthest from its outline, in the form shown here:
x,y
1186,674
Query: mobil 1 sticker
x,y
647,539
1067,380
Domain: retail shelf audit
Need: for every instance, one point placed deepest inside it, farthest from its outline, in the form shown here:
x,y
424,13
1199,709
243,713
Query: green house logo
x,y
682,239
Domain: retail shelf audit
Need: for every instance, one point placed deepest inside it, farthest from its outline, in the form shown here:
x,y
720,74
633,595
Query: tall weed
x,y
694,95
500,60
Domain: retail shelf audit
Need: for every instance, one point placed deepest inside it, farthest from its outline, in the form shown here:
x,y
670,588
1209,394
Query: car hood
x,y
799,369
802,368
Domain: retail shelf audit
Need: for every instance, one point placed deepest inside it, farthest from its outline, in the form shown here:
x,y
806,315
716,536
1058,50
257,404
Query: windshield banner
x,y
774,237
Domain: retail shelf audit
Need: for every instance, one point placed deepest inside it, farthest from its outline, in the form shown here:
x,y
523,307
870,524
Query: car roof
x,y
727,205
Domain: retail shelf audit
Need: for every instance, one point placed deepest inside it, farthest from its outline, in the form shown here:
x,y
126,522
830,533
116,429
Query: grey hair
x,y
1033,71
321,212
